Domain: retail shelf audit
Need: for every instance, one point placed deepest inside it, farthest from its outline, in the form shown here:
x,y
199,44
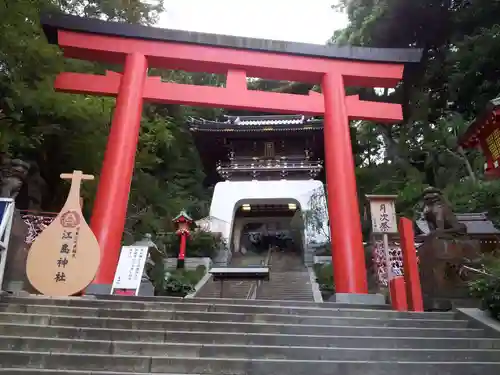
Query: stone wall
x,y
189,263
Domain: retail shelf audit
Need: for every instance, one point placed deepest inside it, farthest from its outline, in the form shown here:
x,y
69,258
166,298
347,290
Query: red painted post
x,y
182,249
410,264
397,291
110,206
348,255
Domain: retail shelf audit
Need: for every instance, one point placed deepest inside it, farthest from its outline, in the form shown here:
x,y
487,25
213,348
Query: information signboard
x,y
130,268
383,213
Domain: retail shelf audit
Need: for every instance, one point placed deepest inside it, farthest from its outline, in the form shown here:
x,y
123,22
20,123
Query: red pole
x,y
410,264
397,291
110,206
182,251
348,254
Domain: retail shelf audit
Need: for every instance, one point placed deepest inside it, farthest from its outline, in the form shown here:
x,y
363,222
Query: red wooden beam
x,y
202,58
373,111
236,80
234,96
89,84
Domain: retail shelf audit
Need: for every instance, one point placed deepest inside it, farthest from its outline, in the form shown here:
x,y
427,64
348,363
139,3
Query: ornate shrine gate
x,y
139,48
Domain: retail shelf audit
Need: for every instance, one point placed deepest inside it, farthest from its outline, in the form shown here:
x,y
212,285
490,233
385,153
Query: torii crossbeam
x,y
138,48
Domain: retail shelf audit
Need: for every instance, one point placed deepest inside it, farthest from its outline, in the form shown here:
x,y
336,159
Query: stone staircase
x,y
133,335
232,288
289,279
293,286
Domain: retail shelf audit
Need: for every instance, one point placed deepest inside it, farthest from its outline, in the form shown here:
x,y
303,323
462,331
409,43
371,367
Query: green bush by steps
x,y
486,286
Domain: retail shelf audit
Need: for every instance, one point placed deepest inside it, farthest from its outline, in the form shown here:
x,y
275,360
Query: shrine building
x,y
484,133
265,171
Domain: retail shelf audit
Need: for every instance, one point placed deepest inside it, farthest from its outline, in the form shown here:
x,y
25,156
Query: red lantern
x,y
183,222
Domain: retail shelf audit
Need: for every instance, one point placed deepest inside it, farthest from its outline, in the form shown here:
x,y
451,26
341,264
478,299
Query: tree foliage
x,y
62,132
458,75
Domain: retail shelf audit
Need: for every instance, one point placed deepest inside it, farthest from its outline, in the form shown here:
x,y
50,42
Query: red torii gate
x,y
139,48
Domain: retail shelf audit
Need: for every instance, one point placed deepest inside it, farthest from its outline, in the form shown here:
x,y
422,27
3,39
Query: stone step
x,y
235,338
235,301
257,326
231,289
290,285
23,371
156,317
286,262
85,307
240,366
286,296
196,350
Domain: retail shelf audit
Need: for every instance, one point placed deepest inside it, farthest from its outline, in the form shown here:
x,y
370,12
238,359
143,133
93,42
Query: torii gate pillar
x,y
111,201
348,254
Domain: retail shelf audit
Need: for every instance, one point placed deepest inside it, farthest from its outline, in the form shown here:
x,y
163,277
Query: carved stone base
x,y
146,289
440,260
358,299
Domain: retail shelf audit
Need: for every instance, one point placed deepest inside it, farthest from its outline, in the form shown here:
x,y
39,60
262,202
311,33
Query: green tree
x,y
440,96
62,132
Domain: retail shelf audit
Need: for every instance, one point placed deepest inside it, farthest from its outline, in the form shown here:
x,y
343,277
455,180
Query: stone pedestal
x,y
146,288
358,299
440,261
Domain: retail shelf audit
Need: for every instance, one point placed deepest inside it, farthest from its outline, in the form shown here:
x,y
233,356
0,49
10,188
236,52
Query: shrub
x,y
323,250
199,244
178,282
177,285
324,277
487,287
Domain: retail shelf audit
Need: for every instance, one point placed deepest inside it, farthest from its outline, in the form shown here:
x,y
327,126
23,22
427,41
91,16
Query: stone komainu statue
x,y
439,216
445,250
13,173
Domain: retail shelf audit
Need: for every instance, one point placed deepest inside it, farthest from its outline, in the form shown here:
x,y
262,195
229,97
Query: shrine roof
x,y
52,22
477,224
256,123
472,135
182,215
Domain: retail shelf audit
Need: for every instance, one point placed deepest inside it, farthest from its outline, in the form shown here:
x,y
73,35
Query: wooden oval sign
x,y
64,258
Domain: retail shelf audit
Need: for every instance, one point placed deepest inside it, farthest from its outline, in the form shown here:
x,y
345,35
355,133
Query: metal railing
x,y
252,292
249,167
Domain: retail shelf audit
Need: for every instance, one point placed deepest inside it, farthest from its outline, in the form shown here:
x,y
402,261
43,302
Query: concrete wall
x,y
213,224
322,259
228,194
189,263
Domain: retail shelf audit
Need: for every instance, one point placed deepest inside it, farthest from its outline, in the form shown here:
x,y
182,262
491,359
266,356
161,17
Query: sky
x,y
307,21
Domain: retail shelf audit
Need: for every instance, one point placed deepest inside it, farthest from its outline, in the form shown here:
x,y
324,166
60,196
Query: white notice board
x,y
130,268
383,212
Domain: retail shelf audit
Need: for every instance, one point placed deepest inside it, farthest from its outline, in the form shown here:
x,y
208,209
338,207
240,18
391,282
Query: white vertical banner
x,y
130,268
7,207
384,222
